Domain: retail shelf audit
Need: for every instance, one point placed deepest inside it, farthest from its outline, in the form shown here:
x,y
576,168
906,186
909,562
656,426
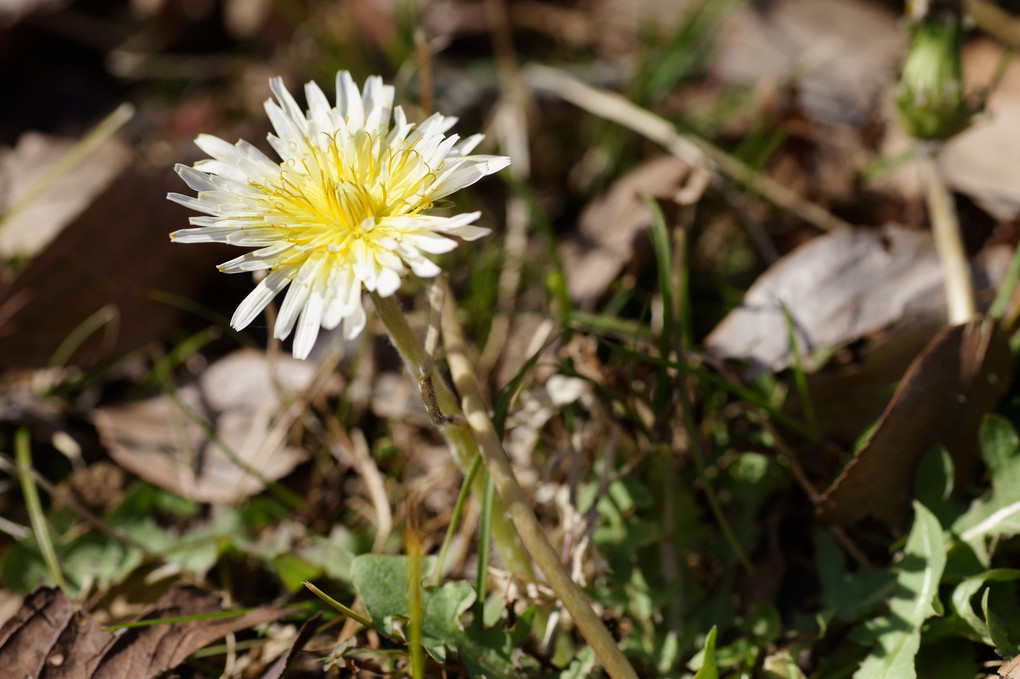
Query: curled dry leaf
x,y
946,392
610,226
839,288
841,55
238,399
46,638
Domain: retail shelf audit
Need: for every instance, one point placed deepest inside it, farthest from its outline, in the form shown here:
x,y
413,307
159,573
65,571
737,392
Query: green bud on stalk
x,y
930,95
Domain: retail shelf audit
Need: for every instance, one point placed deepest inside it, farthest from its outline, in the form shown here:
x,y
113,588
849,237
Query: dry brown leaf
x,y
26,639
1008,670
982,162
942,399
114,260
279,667
840,54
610,225
838,288
156,440
21,168
47,639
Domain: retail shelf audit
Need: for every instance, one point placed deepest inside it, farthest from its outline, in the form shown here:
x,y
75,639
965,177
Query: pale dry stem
x,y
519,506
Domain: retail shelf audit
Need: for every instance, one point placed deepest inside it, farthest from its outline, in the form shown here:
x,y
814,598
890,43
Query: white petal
x,y
299,292
387,282
342,294
355,322
256,261
199,181
363,264
467,232
261,296
308,325
467,146
422,267
195,204
215,147
467,172
205,234
457,225
287,102
255,237
348,100
293,141
378,101
225,171
429,242
319,110
401,128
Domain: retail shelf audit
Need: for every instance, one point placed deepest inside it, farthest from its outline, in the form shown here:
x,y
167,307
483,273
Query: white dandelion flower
x,y
345,209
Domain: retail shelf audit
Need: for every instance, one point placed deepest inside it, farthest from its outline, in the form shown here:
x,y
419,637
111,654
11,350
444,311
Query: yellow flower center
x,y
343,190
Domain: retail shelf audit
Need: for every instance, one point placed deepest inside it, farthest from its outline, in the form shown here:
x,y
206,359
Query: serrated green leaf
x,y
917,582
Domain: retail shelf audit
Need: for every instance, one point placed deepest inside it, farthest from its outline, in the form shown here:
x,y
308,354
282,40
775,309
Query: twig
x,y
519,507
695,152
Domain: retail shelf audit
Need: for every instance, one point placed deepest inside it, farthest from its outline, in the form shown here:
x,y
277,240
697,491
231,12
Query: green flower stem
x,y
523,517
461,440
945,229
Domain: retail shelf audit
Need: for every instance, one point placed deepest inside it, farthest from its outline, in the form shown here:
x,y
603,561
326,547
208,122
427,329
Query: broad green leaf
x,y
914,601
998,514
382,582
966,590
705,660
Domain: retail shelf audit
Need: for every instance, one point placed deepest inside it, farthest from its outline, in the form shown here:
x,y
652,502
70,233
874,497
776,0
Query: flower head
x,y
344,209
